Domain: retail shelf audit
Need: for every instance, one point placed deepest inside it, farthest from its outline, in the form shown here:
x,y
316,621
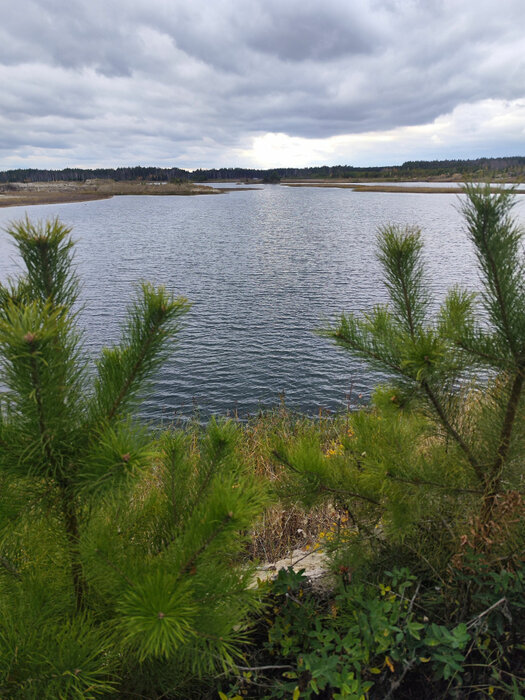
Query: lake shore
x,y
23,194
387,187
27,194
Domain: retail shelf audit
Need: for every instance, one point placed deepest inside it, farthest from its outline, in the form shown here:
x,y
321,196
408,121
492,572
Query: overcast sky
x,y
263,83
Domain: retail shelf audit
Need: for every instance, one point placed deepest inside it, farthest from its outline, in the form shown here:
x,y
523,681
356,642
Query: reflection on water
x,y
264,268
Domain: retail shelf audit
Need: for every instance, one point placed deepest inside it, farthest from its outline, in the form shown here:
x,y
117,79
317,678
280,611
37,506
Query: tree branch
x,y
323,487
425,482
134,371
189,565
73,536
494,476
452,431
115,568
31,340
499,293
367,353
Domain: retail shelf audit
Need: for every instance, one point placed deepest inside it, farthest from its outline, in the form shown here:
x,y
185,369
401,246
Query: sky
x,y
259,83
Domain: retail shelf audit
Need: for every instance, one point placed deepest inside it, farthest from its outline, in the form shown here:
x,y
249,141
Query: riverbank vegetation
x,y
129,557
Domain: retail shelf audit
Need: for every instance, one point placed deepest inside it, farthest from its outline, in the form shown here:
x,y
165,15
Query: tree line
x,y
480,167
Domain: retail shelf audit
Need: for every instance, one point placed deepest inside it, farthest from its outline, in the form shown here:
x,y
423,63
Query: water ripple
x,y
264,269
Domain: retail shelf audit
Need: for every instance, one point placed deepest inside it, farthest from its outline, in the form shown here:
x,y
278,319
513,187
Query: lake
x,y
264,268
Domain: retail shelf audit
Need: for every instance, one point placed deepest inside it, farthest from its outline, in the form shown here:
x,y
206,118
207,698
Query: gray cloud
x,y
297,31
104,83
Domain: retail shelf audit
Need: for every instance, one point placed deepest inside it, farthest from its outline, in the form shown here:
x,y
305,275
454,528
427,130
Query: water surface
x,y
264,268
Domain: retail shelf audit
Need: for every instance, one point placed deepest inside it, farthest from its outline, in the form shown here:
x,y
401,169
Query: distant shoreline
x,y
29,194
387,187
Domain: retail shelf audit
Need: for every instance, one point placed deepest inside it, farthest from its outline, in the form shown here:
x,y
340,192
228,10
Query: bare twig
x,y
262,668
413,599
394,685
476,620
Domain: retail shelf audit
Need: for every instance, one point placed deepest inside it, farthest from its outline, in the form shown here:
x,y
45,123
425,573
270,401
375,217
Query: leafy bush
x,y
385,640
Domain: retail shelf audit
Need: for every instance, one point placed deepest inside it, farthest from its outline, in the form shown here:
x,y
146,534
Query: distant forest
x,y
511,167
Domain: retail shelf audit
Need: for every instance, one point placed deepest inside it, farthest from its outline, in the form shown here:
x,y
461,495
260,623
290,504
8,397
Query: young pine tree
x,y
461,448
118,553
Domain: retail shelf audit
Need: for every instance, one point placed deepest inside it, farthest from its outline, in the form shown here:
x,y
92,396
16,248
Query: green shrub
x,y
387,640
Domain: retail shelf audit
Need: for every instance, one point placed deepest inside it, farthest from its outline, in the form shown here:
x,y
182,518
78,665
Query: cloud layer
x,y
262,82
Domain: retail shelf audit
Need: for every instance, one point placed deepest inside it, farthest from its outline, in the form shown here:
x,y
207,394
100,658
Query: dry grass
x,y
404,189
407,189
26,194
288,527
26,199
285,526
111,188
